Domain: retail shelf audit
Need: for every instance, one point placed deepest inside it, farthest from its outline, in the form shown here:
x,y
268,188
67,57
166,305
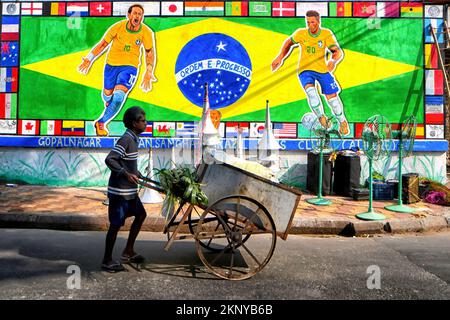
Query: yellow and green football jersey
x,y
313,49
126,44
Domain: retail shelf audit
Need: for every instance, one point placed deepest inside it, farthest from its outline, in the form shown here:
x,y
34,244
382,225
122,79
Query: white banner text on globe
x,y
213,64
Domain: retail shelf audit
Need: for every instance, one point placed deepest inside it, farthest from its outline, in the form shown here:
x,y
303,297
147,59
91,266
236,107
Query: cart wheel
x,y
213,223
226,226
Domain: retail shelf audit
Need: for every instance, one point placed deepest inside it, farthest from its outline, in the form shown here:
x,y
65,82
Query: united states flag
x,y
285,130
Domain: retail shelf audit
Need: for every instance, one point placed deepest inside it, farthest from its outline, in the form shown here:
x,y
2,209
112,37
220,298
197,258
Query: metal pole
x,y
399,207
319,193
400,152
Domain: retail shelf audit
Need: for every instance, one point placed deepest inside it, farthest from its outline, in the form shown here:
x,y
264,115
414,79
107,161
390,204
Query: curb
x,y
447,217
363,228
66,222
399,226
86,222
434,223
320,226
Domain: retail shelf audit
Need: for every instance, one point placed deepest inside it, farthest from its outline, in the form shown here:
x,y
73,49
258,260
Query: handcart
x,y
236,233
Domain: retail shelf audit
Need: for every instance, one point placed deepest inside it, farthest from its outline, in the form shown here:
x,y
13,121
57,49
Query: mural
x,y
65,78
86,168
69,69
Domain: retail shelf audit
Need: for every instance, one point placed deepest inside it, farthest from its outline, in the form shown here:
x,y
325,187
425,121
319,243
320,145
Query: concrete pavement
x,y
69,208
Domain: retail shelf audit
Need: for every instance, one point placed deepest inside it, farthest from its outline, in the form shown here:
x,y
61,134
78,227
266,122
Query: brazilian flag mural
x,y
378,74
230,47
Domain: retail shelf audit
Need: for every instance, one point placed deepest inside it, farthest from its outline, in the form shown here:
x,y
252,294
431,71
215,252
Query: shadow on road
x,y
26,253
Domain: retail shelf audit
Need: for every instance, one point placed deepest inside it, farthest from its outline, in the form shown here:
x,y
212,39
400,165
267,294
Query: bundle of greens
x,y
180,185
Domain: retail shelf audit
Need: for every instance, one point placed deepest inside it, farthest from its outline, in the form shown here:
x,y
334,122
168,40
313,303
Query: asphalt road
x,y
34,265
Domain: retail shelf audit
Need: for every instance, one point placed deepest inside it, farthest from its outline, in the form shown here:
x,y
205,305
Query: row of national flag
x,y
432,129
9,36
219,8
187,129
434,76
434,83
421,129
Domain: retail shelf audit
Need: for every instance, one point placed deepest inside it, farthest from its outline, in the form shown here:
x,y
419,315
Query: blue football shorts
x,y
114,75
326,81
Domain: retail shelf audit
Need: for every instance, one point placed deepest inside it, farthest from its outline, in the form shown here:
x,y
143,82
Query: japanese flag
x,y
172,8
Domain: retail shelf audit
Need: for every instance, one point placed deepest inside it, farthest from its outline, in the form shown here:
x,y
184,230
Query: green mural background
x,y
44,38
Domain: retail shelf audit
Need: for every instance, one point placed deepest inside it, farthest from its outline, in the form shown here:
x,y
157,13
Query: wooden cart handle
x,y
152,184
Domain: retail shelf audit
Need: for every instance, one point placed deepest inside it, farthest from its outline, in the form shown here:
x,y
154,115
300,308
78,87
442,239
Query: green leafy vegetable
x,y
180,185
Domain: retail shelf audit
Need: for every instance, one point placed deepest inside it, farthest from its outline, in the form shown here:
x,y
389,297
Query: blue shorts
x,y
326,81
119,209
114,75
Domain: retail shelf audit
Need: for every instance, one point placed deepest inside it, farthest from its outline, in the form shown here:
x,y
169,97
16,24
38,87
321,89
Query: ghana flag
x,y
378,73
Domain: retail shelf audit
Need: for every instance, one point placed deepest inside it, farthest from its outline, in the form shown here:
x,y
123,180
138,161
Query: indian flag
x,y
340,9
411,9
51,127
202,8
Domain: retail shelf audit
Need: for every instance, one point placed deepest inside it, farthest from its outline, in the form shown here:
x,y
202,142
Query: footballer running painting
x,y
123,42
315,43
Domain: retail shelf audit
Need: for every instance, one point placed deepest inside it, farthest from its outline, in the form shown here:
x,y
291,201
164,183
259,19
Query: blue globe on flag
x,y
216,59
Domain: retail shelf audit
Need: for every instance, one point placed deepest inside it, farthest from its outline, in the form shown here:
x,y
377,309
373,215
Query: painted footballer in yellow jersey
x,y
125,40
122,40
315,42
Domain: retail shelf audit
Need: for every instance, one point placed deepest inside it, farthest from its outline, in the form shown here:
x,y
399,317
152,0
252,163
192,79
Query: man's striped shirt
x,y
123,158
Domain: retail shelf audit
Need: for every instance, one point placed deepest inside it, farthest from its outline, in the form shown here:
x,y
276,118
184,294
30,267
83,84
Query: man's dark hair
x,y
135,5
313,13
132,114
